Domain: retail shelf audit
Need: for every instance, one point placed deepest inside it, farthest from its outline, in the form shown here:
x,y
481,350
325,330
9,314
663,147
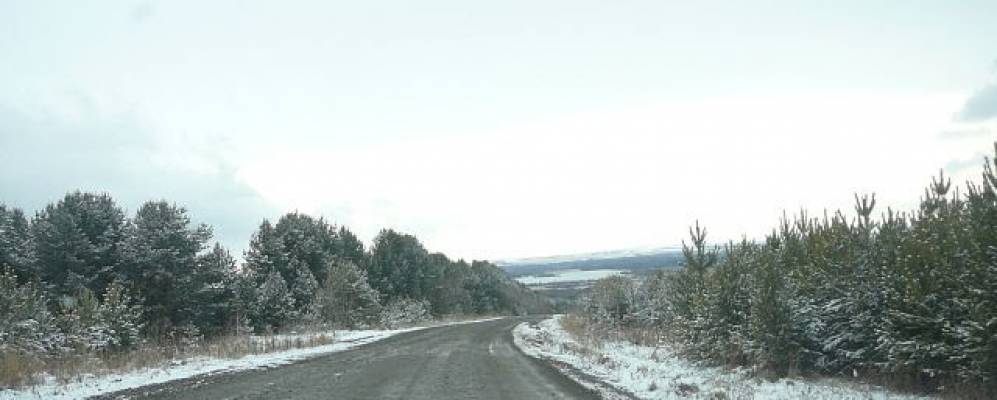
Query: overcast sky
x,y
497,129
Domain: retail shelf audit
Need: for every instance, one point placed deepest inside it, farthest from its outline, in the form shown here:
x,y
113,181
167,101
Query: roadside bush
x,y
26,325
118,321
113,324
403,312
613,300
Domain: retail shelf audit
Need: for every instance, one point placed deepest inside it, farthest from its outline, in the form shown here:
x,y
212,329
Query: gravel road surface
x,y
470,361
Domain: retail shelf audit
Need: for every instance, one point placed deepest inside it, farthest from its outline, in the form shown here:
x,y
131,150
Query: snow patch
x,y
659,373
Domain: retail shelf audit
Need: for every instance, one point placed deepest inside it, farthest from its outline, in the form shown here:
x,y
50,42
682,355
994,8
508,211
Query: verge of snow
x,y
86,386
659,373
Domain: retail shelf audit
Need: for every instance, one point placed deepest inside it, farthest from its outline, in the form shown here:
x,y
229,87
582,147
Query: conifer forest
x,y
906,296
81,278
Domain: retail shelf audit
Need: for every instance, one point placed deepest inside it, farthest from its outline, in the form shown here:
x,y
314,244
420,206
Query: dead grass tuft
x,y
686,389
21,370
17,369
574,325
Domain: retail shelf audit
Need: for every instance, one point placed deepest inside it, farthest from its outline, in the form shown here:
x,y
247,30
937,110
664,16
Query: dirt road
x,y
471,361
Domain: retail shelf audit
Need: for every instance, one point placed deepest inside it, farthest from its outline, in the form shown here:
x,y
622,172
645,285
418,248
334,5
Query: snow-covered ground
x,y
86,386
658,373
569,275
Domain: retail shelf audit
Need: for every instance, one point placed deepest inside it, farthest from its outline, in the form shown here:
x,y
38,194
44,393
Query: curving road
x,y
471,361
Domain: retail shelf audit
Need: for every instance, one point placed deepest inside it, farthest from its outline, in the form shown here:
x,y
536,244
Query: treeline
x,y
80,275
910,298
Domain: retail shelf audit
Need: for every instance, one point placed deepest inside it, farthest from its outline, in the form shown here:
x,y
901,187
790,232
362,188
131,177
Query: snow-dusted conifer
x,y
76,242
118,322
159,259
274,305
346,298
303,287
212,292
15,244
26,325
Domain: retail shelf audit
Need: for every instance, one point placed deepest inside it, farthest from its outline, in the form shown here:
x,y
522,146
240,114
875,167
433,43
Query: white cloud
x,y
416,117
47,155
626,177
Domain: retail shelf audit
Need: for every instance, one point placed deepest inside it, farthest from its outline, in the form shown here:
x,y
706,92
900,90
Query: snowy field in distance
x,y
658,373
569,275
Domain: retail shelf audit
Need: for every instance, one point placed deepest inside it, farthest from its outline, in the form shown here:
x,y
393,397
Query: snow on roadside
x,y
650,373
87,386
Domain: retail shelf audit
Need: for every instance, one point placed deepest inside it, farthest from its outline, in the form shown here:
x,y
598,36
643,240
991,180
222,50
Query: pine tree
x,y
346,298
266,253
448,294
978,333
159,259
308,240
303,287
243,303
212,292
350,248
77,243
118,321
398,266
15,244
299,248
687,295
26,325
273,307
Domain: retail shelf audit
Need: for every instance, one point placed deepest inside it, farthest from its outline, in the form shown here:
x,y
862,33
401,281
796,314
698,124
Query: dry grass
x,y
574,325
594,334
20,370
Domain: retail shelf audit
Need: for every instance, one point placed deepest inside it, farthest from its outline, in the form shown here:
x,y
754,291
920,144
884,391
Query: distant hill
x,y
600,255
635,261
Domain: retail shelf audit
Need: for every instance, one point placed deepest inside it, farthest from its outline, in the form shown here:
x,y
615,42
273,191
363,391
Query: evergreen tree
x,y
77,243
15,244
299,248
117,322
448,294
398,266
26,325
688,296
159,259
309,240
243,303
213,295
303,287
346,298
350,248
273,307
266,253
